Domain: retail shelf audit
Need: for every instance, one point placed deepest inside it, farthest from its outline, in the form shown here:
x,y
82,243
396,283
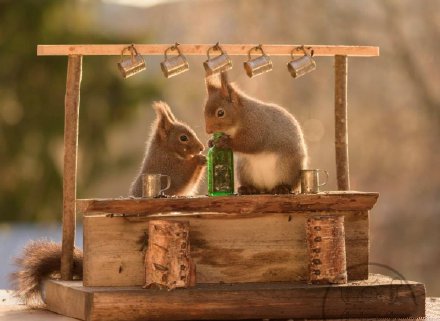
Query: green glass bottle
x,y
220,170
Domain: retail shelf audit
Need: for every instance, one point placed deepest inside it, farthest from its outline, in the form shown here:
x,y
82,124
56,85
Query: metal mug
x,y
301,66
131,66
310,180
217,64
259,65
175,65
152,185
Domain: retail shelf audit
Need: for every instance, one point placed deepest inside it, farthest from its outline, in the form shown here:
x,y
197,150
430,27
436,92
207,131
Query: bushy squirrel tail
x,y
39,260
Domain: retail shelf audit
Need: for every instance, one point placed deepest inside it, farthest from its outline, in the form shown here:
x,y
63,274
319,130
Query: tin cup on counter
x,y
152,185
310,180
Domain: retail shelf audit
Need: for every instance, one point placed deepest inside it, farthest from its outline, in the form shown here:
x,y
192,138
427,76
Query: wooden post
x,y
168,263
326,248
341,134
71,104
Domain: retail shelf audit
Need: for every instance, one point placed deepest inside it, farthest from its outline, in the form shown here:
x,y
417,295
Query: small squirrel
x,y
40,260
266,139
174,150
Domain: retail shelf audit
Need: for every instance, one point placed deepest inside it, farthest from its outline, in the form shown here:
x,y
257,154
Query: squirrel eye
x,y
183,138
220,113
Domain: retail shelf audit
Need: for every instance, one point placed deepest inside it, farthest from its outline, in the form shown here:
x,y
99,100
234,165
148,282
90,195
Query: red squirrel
x,y
174,150
267,141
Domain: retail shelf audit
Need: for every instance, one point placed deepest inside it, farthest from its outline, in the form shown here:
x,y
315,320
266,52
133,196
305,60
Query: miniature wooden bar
x,y
201,49
75,53
168,262
326,248
74,72
266,235
379,296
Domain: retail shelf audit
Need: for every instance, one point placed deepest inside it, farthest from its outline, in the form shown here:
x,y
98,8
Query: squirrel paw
x,y
200,159
247,190
222,142
281,189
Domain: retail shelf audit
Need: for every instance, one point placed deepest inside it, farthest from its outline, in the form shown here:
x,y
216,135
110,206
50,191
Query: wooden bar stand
x,y
254,254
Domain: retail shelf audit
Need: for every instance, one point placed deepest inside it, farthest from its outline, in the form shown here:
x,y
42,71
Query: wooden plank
x,y
233,206
379,296
253,249
71,299
201,49
74,71
341,124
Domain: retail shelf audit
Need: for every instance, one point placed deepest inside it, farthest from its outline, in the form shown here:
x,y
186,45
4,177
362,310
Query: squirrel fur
x,y
267,141
40,260
167,153
173,149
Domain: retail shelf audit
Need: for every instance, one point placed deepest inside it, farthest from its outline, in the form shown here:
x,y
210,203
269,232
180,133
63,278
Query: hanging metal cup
x,y
217,64
301,66
310,180
175,65
258,65
131,66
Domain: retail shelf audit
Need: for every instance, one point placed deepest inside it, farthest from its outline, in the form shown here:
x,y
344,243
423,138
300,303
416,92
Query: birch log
x,y
168,262
326,248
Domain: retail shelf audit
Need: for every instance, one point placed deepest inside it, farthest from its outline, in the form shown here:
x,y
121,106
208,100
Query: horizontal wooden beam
x,y
201,49
233,206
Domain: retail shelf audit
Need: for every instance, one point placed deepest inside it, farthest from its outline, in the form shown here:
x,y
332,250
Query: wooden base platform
x,y
379,296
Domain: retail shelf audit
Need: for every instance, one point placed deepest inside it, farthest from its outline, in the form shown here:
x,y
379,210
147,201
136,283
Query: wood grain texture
x,y
233,206
70,299
326,248
74,72
341,123
201,49
254,249
380,296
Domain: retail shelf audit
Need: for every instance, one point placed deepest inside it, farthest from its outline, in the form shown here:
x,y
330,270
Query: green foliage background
x,y
32,105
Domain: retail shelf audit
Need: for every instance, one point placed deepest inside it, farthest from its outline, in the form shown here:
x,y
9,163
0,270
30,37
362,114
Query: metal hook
x,y
173,47
256,48
215,47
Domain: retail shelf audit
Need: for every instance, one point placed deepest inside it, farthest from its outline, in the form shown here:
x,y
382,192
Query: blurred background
x,y
394,106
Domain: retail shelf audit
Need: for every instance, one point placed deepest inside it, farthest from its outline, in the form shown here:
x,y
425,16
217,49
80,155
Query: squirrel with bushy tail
x,y
173,149
267,140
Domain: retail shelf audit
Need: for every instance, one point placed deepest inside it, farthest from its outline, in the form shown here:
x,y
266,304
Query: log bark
x,y
168,262
341,119
71,102
326,248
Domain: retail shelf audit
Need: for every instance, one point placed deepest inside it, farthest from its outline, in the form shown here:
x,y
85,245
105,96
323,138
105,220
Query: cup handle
x,y
326,179
168,183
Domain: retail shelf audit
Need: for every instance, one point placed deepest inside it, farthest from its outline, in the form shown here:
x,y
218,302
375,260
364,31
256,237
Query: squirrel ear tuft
x,y
228,91
212,84
165,118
